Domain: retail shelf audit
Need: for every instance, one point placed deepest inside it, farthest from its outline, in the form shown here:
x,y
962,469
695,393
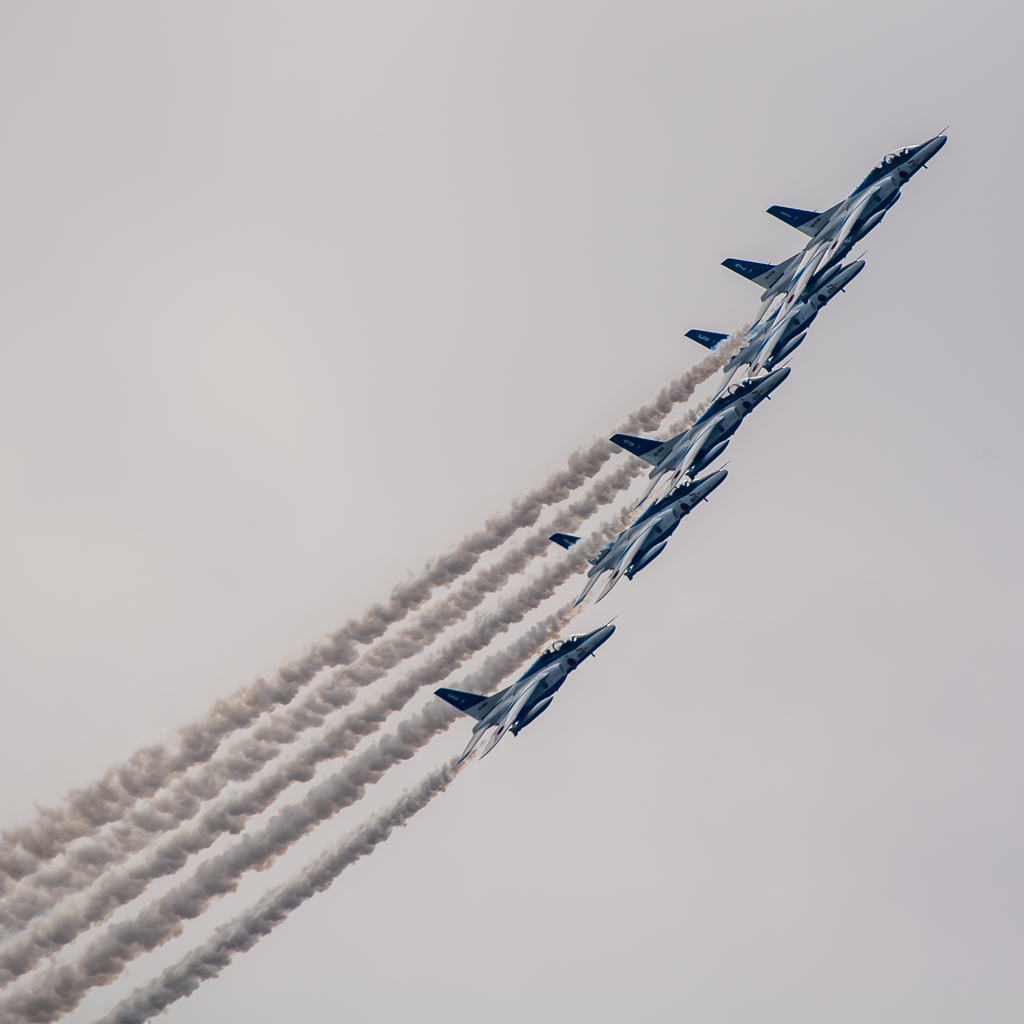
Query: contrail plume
x,y
237,936
24,850
62,988
83,863
121,885
20,956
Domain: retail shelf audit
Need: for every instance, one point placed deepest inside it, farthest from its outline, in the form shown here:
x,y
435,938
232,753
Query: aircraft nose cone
x,y
710,482
600,635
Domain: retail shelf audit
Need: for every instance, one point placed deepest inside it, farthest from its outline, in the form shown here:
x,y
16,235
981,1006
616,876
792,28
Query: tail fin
x,y
764,274
794,218
706,338
565,540
473,704
810,223
748,268
467,702
640,446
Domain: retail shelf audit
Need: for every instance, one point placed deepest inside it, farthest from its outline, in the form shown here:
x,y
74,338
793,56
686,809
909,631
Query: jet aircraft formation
x,y
795,291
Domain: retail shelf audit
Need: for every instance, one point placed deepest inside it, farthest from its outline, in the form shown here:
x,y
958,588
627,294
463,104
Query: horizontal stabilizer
x,y
467,702
803,220
640,446
794,218
764,274
564,540
706,338
747,268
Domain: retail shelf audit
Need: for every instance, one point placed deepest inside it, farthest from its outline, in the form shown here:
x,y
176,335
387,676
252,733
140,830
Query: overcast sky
x,y
292,296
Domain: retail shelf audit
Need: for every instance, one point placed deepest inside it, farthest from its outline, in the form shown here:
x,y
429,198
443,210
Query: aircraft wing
x,y
807,273
851,219
690,450
512,714
764,353
694,447
623,564
586,590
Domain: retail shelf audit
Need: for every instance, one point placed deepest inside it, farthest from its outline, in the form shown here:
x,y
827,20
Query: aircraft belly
x,y
528,714
727,430
654,541
645,558
656,536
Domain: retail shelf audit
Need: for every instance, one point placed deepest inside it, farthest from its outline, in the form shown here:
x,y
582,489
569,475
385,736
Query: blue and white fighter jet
x,y
871,199
640,544
778,335
513,708
698,446
834,232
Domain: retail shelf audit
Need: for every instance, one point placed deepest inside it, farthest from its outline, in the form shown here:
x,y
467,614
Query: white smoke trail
x,y
24,850
60,989
84,862
209,959
244,932
119,886
64,987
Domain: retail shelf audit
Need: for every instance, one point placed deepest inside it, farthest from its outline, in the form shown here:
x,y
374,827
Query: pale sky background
x,y
292,296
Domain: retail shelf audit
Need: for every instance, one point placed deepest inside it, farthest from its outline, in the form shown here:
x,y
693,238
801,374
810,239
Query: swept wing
x,y
623,564
512,714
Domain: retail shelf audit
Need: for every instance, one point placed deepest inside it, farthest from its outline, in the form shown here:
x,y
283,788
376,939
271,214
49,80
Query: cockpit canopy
x,y
741,388
885,166
558,648
663,503
896,158
729,396
567,644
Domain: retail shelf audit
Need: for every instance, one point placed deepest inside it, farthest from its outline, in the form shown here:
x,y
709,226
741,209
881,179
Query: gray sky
x,y
294,295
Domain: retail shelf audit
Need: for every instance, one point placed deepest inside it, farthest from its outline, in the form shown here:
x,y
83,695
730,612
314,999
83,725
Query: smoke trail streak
x,y
62,988
119,886
55,932
86,862
209,959
24,850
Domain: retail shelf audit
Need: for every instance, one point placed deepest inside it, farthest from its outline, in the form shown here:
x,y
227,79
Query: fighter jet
x,y
530,695
834,232
640,544
777,336
882,184
698,446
